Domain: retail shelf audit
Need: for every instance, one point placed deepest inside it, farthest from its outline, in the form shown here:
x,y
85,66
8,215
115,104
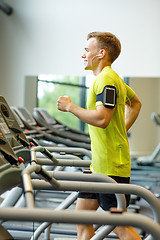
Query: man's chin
x,y
87,68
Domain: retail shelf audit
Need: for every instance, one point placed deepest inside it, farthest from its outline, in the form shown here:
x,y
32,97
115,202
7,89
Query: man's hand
x,y
63,103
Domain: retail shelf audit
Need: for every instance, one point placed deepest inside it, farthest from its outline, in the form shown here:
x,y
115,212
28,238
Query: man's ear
x,y
102,53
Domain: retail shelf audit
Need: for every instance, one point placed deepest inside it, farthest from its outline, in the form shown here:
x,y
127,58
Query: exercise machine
x,y
13,143
153,158
46,134
42,115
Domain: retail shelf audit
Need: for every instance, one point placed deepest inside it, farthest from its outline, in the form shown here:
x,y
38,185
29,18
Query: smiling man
x,y
112,108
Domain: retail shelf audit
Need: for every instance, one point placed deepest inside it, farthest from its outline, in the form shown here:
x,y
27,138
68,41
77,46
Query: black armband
x,y
108,96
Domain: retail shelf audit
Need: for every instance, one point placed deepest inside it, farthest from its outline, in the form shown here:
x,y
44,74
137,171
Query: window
x,y
50,87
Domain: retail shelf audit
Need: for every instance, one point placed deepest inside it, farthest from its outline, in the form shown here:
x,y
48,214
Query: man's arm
x,y
132,110
98,118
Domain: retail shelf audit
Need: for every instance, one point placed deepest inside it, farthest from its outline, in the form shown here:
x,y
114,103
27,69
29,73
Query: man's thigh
x,y
87,204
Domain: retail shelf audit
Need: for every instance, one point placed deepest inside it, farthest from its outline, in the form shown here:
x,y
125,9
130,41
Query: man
x,y
112,108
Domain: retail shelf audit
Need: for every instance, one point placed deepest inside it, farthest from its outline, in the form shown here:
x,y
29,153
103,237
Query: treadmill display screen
x,y
26,116
3,126
47,117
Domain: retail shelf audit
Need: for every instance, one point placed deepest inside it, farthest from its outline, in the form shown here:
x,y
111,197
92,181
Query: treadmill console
x,y
13,142
25,115
18,118
45,115
3,126
14,148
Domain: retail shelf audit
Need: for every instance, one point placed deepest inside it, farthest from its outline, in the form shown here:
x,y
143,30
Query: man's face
x,y
90,53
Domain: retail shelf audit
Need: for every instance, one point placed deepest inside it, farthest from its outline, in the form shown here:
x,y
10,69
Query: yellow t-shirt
x,y
109,146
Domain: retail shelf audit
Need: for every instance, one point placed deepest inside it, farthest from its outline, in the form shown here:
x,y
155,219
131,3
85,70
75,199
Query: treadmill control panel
x,y
3,126
14,148
13,142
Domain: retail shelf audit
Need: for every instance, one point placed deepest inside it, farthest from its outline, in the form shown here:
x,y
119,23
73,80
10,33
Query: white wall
x,y
48,36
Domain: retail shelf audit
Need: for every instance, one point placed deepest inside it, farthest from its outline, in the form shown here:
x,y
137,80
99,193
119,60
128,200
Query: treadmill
x,y
46,134
13,142
44,119
13,147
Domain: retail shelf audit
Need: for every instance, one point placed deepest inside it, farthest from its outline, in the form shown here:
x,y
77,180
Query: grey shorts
x,y
105,200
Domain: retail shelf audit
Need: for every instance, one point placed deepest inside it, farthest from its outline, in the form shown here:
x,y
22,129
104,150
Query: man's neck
x,y
100,68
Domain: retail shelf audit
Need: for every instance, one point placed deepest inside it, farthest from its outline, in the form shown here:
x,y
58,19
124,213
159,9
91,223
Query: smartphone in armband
x,y
109,96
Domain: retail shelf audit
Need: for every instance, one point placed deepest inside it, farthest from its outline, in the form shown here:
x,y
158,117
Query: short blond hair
x,y
109,42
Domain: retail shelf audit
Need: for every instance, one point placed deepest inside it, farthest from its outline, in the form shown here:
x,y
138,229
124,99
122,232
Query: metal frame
x,y
73,184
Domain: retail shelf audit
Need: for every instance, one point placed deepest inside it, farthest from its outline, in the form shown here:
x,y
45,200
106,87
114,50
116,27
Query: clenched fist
x,y
63,103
